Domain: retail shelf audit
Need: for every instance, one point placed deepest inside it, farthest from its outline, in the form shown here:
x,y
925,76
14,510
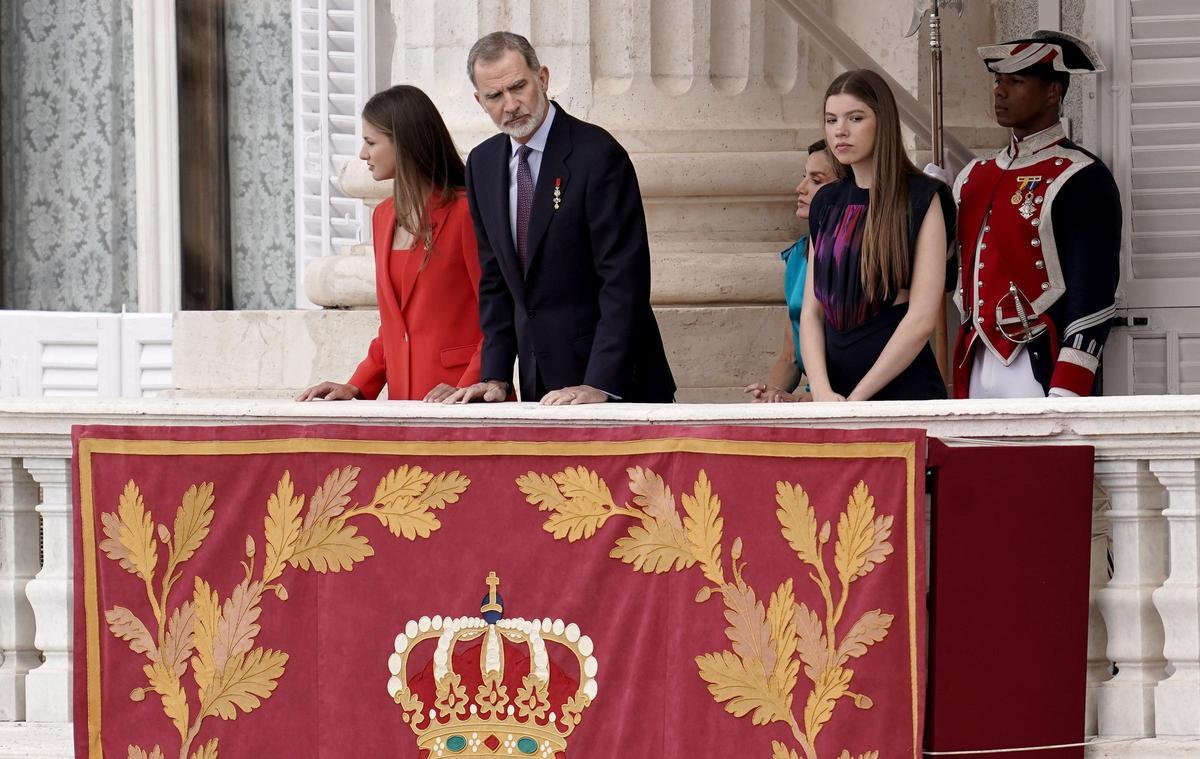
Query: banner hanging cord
x,y
978,752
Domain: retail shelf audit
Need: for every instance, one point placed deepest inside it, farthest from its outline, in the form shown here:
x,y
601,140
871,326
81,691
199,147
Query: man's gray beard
x,y
534,123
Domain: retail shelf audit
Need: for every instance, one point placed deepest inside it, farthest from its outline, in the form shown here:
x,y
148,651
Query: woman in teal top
x,y
783,378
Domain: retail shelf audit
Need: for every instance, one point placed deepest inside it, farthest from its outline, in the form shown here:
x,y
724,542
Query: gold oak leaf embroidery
x,y
811,643
704,527
577,498
237,626
868,630
332,497
178,644
781,618
216,638
207,613
126,626
165,682
770,646
862,539
743,689
799,522
192,521
407,497
748,630
830,686
780,751
330,546
282,527
130,532
246,681
207,751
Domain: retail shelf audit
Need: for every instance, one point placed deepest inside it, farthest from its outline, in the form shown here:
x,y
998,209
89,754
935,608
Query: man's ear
x,y
544,78
1054,93
478,99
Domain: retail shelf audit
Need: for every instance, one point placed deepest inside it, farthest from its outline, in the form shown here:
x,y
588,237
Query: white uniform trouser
x,y
990,378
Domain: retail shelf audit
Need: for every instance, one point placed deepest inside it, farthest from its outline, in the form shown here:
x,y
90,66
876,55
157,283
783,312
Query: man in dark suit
x,y
564,258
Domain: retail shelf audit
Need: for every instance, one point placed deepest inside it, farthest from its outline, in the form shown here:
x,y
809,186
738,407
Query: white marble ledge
x,y
1119,427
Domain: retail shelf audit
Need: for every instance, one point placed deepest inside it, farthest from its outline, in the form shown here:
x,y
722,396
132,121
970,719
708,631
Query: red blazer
x,y
429,328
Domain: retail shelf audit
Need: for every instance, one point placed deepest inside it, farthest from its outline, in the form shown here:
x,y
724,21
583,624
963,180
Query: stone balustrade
x,y
1144,646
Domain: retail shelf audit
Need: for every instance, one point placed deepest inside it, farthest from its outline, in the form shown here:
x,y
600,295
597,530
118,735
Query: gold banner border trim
x,y
905,450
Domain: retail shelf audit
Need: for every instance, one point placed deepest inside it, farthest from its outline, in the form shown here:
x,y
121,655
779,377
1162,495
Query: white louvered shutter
x,y
333,77
49,354
1161,279
145,354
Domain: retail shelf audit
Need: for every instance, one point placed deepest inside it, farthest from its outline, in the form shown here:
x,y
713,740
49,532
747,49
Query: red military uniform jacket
x,y
1039,226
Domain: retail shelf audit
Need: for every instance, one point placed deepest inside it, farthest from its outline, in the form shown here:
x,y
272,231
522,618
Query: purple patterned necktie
x,y
524,202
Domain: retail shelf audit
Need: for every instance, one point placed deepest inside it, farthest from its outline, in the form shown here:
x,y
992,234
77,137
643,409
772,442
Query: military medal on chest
x,y
1023,197
557,192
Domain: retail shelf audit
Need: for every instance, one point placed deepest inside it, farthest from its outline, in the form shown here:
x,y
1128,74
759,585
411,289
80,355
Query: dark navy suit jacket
x,y
580,313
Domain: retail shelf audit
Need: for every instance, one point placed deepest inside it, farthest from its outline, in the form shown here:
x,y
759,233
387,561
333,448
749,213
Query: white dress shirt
x,y
537,145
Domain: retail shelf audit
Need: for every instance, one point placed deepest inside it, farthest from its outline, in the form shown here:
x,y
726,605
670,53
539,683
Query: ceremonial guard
x,y
1040,228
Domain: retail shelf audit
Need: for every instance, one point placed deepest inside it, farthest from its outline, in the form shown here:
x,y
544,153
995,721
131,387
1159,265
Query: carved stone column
x,y
18,562
1099,668
1135,631
48,687
1177,698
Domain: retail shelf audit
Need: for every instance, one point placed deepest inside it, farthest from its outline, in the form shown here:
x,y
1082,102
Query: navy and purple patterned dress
x,y
856,330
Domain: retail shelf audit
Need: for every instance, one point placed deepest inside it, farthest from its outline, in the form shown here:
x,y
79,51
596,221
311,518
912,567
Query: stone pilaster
x,y
48,687
1125,703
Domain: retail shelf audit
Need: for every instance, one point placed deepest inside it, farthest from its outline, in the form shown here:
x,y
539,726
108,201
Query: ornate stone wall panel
x,y
782,50
730,38
672,45
415,39
258,43
385,37
879,29
68,211
452,43
612,63
559,32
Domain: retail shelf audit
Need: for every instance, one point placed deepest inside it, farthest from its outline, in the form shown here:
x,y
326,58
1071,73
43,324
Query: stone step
x,y
682,272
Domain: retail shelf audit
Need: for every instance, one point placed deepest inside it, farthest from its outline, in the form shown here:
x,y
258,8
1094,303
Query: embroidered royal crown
x,y
480,707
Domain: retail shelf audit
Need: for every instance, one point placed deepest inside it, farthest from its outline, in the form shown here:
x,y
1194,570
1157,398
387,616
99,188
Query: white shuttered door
x,y
332,71
1161,278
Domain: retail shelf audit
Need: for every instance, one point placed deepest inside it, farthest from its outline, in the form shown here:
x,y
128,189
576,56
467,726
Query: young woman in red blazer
x,y
426,259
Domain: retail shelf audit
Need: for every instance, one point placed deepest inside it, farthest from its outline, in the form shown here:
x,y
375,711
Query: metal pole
x,y
941,340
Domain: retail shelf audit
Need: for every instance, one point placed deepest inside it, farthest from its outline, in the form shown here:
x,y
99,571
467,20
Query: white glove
x,y
1061,392
938,173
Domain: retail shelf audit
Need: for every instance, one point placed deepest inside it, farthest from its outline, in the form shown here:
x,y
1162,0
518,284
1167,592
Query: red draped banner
x,y
346,591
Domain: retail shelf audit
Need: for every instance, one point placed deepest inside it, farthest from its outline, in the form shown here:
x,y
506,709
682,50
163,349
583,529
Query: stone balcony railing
x,y
1144,643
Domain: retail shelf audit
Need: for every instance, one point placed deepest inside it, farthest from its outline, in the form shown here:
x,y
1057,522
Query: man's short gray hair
x,y
493,46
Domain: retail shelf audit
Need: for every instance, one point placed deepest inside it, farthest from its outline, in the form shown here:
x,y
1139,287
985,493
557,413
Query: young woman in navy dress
x,y
878,262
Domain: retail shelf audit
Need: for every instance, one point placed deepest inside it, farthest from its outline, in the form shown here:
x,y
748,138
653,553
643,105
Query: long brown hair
x,y
886,262
426,159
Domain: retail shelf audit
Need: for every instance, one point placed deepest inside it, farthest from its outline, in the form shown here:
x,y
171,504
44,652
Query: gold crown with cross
x,y
492,721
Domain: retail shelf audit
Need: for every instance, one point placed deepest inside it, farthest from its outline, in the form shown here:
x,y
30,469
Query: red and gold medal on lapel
x,y
557,192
